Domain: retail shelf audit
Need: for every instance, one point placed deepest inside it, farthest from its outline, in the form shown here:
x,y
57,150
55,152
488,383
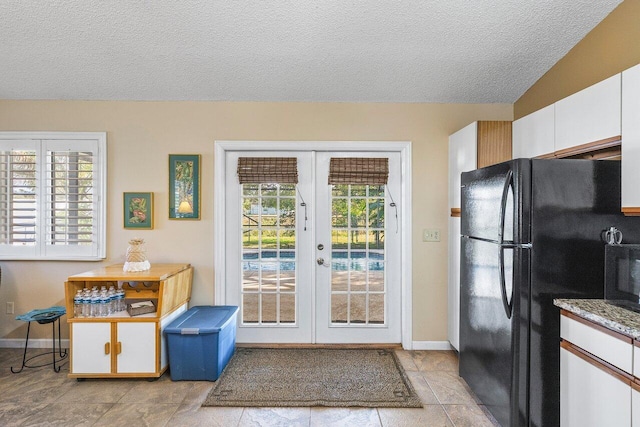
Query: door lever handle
x,y
321,262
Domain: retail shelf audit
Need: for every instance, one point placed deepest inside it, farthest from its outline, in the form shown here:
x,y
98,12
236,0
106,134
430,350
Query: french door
x,y
312,262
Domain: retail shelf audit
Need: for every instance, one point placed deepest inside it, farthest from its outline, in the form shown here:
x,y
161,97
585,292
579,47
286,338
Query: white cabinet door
x,y
613,348
589,396
454,282
463,153
593,114
635,406
137,347
91,348
631,137
534,135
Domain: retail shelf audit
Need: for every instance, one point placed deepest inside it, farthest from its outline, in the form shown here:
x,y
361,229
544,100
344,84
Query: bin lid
x,y
203,319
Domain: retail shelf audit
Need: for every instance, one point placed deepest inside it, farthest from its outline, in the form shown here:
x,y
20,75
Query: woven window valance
x,y
268,170
358,170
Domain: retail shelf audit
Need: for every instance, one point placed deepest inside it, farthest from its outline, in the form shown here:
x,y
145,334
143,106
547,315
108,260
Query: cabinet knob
x,y
107,348
118,347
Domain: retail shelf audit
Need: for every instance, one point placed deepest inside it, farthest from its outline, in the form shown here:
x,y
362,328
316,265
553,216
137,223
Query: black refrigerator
x,y
530,232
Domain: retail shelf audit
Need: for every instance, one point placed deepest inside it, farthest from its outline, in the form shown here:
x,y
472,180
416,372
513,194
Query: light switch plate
x,y
431,235
10,308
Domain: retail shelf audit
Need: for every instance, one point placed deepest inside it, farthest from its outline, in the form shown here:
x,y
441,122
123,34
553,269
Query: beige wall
x,y
140,135
611,47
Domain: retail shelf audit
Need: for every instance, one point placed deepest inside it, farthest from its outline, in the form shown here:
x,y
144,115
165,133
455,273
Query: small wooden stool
x,y
43,316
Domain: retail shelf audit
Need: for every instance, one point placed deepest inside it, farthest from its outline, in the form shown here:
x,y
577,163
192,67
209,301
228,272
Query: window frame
x,y
41,250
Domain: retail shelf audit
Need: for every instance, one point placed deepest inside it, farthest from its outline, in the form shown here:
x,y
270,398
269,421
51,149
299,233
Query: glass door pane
x,y
268,254
358,254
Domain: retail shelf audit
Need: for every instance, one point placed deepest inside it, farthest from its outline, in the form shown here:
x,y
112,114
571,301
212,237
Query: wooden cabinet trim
x,y
114,273
597,327
602,144
606,149
598,363
546,156
493,142
631,211
114,355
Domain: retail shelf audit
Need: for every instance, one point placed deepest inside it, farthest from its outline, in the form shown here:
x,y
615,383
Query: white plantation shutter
x,y
18,195
54,203
69,205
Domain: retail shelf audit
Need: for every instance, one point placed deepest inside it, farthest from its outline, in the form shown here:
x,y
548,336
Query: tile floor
x,y
40,397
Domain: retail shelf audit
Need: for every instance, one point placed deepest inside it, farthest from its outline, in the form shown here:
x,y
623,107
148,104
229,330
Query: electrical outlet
x,y
10,308
431,235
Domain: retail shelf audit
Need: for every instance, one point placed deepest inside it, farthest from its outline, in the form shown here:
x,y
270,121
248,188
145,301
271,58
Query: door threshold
x,y
396,346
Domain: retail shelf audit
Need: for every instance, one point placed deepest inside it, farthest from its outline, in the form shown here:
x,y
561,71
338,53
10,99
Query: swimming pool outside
x,y
341,260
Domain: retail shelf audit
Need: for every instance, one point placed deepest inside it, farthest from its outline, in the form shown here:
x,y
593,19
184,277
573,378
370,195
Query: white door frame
x,y
403,147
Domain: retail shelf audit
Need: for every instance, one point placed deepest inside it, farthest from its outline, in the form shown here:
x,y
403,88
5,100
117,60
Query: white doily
x,y
136,266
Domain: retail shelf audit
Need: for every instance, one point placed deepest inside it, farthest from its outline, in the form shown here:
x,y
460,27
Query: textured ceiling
x,y
458,51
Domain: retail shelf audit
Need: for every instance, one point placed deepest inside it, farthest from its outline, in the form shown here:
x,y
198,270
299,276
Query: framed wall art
x,y
138,210
184,186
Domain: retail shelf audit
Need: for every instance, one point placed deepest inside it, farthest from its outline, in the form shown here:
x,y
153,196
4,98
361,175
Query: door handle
x,y
508,181
508,305
321,262
118,347
107,348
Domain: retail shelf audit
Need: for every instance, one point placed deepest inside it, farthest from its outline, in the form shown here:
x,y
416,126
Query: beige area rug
x,y
314,377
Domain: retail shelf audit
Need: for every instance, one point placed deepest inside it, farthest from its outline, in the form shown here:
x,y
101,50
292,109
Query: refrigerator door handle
x,y
508,182
508,305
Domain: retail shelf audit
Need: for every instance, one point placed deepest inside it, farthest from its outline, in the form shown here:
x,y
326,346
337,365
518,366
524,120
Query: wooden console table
x,y
121,345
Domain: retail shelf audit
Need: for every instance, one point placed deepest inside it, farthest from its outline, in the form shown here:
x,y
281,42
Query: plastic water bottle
x,y
103,304
121,306
112,299
95,303
86,303
77,303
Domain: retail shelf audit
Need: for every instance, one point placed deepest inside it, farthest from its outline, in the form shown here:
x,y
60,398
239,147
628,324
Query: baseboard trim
x,y
432,345
33,343
46,343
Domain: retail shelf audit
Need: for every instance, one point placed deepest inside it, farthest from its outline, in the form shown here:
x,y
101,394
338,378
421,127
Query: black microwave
x,y
622,274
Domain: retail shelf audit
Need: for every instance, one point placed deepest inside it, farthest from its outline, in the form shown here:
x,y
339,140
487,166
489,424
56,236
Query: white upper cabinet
x,y
593,114
462,158
631,140
534,135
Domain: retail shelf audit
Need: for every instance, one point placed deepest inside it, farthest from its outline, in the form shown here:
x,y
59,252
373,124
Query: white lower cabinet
x,y
590,395
597,385
91,347
635,405
136,347
114,347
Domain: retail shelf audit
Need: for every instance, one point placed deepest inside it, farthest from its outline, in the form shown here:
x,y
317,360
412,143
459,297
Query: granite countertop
x,y
601,312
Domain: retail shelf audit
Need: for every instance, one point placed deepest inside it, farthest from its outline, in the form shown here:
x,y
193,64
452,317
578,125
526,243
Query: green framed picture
x,y
184,186
138,210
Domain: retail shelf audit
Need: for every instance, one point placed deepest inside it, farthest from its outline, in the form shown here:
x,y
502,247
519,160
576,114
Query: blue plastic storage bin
x,y
201,341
